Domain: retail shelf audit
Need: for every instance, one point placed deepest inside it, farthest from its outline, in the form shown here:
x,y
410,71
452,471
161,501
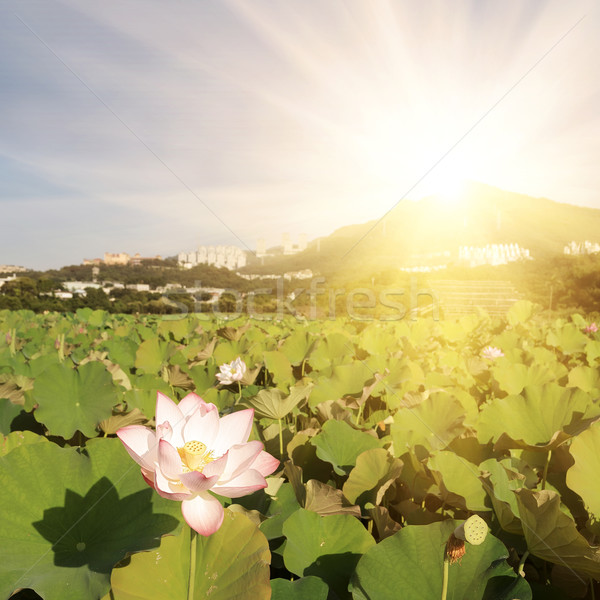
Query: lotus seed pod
x,y
473,530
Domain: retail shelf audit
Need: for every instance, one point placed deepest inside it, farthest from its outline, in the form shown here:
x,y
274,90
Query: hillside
x,y
414,232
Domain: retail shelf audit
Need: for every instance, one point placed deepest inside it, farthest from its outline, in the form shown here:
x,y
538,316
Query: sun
x,y
444,183
426,169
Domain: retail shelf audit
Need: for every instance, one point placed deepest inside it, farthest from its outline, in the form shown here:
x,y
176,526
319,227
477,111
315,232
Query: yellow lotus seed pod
x,y
475,530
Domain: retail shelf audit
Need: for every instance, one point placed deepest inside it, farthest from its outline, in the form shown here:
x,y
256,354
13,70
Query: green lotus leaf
x,y
433,423
569,339
297,346
520,312
74,399
226,351
454,331
582,477
304,455
326,500
541,418
115,422
399,376
19,438
552,535
375,470
232,333
513,377
458,480
13,387
119,376
8,413
68,517
272,404
592,351
305,588
83,314
231,563
584,378
177,328
384,524
143,393
376,339
97,318
328,547
409,565
41,363
334,348
200,352
279,367
468,402
178,378
151,355
121,351
203,377
421,332
343,380
500,484
340,444
282,505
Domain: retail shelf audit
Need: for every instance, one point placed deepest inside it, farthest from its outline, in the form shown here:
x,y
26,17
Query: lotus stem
x,y
445,579
521,570
280,439
592,589
359,415
239,390
192,578
545,473
13,341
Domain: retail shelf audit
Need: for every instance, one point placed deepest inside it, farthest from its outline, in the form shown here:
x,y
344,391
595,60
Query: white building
x,y
492,254
78,287
230,257
291,248
3,280
138,287
578,248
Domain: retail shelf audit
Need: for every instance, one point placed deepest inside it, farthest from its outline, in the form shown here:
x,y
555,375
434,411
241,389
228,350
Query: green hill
x,y
432,230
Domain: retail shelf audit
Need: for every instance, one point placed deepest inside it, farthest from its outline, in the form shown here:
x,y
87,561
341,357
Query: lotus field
x,y
185,458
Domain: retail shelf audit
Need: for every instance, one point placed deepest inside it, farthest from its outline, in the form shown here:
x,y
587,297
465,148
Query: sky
x,y
152,127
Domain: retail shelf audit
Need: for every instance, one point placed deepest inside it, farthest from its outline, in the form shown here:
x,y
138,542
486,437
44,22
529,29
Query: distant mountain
x,y
432,230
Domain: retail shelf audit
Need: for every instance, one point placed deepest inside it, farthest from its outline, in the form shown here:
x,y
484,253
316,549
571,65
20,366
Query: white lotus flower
x,y
233,371
491,352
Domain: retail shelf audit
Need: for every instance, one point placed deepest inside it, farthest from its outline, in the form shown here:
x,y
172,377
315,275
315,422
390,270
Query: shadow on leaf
x,y
100,528
335,570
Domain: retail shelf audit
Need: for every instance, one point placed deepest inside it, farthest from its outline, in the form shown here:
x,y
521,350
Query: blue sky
x,y
146,126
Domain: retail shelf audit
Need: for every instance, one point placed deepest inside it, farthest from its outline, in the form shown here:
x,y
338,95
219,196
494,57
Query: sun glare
x,y
422,173
447,186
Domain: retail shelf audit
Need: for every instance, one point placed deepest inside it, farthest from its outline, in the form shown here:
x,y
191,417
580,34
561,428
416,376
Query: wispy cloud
x,y
299,116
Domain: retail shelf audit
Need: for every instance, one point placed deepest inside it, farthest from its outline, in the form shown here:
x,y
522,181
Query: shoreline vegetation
x,y
556,284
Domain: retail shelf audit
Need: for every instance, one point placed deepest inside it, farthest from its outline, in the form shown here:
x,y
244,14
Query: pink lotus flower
x,y
591,328
491,352
193,452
